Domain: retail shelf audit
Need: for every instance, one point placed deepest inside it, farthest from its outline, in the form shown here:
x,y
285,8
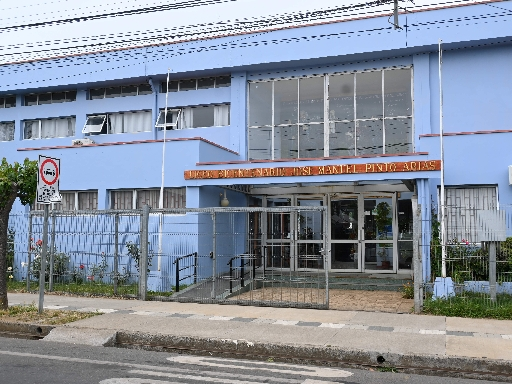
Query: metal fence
x,y
221,255
478,255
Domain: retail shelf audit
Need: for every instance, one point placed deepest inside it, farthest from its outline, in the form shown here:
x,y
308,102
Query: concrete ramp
x,y
83,336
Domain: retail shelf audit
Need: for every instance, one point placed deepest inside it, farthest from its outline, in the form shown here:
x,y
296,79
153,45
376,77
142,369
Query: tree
x,y
16,181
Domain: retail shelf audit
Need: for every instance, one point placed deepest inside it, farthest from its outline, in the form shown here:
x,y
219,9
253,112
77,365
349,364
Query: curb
x,y
25,330
475,368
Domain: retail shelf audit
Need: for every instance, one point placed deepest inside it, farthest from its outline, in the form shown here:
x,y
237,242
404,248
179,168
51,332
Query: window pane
x,y
207,82
45,98
286,101
378,218
67,203
48,128
87,200
369,137
145,89
121,199
129,90
369,95
285,142
30,100
10,101
188,85
203,116
113,92
175,198
70,95
97,93
397,92
260,143
398,135
341,139
173,86
221,115
223,81
31,129
311,140
58,97
136,121
341,97
260,104
7,131
2,102
311,100
148,197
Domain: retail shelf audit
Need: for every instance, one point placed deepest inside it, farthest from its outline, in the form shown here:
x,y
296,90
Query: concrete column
x,y
238,116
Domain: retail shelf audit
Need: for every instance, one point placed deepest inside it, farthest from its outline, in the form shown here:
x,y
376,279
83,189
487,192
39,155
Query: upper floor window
x,y
120,91
193,84
8,101
123,122
73,200
195,117
49,98
6,130
136,198
333,115
47,128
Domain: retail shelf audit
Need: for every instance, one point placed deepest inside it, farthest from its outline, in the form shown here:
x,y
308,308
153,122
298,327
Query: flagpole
x,y
442,197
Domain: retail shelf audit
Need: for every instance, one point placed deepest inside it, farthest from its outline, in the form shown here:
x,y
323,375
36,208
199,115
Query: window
x,y
120,91
73,200
193,84
195,117
124,122
334,115
6,130
463,206
8,101
48,128
49,98
130,199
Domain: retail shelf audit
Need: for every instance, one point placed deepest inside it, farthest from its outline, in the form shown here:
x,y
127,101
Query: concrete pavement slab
x,y
489,348
399,320
503,327
83,336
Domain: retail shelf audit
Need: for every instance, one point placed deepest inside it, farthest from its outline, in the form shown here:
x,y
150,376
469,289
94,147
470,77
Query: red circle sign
x,y
49,172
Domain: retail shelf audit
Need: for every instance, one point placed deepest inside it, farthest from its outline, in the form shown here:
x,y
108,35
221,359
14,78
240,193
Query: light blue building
x,y
343,114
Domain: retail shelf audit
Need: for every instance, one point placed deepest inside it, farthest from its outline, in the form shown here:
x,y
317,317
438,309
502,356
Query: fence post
x,y
326,256
143,265
52,251
214,256
416,254
492,270
178,274
44,251
29,255
242,271
195,267
231,276
116,251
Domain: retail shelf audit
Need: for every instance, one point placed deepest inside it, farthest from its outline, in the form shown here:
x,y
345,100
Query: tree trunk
x,y
4,225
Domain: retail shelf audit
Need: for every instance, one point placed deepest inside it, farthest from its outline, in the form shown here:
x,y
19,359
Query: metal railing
x,y
178,269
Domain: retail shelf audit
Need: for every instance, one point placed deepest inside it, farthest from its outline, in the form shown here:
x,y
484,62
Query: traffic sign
x,y
48,180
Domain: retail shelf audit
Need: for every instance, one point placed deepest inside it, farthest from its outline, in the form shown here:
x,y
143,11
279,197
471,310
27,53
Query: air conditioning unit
x,y
79,142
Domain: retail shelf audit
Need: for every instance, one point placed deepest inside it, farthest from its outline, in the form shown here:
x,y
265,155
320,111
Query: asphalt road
x,y
31,362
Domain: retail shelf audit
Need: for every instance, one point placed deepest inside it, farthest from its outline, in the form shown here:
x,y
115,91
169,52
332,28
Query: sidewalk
x,y
354,337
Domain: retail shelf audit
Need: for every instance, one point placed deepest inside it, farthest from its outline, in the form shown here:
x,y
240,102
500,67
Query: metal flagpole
x,y
443,229
161,197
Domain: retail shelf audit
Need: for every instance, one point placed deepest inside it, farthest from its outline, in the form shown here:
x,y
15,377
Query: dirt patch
x,y
344,300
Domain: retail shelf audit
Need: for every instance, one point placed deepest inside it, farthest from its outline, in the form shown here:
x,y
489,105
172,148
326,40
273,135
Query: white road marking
x,y
263,366
331,325
286,322
55,306
204,379
507,337
432,332
133,380
101,310
221,318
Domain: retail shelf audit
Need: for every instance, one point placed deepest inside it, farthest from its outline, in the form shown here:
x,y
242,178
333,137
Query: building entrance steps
x,y
358,337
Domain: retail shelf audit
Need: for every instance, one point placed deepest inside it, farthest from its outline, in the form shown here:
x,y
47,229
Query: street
x,y
27,362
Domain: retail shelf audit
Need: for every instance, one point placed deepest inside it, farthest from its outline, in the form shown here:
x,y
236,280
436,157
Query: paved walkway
x,y
399,338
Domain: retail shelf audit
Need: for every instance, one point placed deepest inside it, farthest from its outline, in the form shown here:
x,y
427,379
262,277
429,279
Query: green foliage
x,y
471,305
20,179
408,290
135,253
10,248
60,261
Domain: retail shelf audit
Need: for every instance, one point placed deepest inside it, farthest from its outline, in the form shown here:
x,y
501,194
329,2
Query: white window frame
x,y
14,132
161,116
88,128
39,121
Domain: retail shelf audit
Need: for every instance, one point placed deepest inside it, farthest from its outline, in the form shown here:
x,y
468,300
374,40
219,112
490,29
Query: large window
x,y
8,101
195,117
193,84
136,198
120,91
352,114
125,122
47,128
49,97
6,130
74,200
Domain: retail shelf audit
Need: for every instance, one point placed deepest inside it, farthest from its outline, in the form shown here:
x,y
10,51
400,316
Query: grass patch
x,y
30,314
471,305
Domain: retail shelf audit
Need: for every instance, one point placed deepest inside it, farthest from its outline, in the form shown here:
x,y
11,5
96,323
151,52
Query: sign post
x,y
48,175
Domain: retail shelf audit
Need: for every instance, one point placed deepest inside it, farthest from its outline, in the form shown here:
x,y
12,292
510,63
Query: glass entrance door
x,y
345,218
309,239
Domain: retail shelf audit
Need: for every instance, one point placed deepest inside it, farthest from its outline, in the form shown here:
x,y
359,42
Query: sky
x,y
57,39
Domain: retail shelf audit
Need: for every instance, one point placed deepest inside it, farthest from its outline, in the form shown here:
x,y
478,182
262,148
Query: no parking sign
x,y
48,180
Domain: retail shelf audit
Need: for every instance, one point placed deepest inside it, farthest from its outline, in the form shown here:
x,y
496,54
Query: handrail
x,y
242,269
177,262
